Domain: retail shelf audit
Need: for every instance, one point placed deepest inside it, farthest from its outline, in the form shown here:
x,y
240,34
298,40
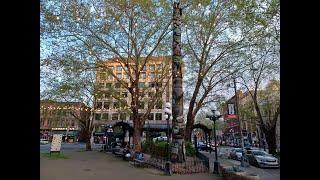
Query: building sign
x,y
56,143
231,112
62,128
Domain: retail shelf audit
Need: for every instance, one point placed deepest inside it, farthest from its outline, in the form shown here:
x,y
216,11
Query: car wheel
x,y
257,164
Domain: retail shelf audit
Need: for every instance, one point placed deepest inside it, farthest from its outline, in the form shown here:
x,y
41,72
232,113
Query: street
x,y
264,173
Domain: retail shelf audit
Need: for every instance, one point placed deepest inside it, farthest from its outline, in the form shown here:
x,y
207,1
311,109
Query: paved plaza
x,y
95,165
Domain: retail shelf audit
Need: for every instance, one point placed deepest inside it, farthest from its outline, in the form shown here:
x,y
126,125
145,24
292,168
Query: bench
x,y
138,160
139,163
118,153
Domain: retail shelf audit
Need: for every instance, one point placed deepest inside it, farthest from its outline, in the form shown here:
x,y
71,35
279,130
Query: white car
x,y
44,141
160,138
262,159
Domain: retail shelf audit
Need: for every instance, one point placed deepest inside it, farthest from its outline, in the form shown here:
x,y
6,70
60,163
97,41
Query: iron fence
x,y
191,165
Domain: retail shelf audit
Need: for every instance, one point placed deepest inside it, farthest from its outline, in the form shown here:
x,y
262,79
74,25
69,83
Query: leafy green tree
x,y
92,32
218,35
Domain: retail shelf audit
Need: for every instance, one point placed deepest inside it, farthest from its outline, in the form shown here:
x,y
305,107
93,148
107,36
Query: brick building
x,y
113,101
57,118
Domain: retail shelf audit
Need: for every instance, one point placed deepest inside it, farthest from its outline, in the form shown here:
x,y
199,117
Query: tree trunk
x,y
88,145
271,140
188,131
137,137
178,148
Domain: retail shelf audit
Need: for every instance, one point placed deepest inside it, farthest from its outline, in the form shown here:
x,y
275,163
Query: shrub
x,y
190,150
147,145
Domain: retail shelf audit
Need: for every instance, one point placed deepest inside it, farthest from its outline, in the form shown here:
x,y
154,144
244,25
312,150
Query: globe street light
x,y
167,116
214,117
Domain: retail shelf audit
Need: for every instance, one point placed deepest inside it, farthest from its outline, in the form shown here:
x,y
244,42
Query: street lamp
x,y
108,132
238,118
167,116
214,117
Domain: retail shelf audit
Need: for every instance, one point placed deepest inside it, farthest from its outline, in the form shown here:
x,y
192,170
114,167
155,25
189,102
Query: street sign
x,y
56,143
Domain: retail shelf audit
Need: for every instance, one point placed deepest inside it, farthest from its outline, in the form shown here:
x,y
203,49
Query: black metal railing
x,y
191,165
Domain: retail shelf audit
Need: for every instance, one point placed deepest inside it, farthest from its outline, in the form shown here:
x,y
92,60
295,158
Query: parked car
x,y
44,141
236,154
160,138
262,159
201,145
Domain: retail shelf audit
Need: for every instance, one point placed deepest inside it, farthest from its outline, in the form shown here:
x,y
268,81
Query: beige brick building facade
x,y
113,100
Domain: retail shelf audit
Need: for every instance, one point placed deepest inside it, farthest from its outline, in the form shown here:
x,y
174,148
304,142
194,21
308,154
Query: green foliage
x,y
155,149
190,150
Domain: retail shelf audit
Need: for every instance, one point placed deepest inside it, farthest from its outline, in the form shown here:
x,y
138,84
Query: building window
x,y
152,67
106,105
101,85
123,116
151,84
152,76
124,94
119,75
158,116
150,94
119,68
116,105
118,85
97,117
143,75
158,105
102,76
141,105
141,85
99,105
141,94
107,94
159,66
115,116
108,85
150,117
144,68
104,116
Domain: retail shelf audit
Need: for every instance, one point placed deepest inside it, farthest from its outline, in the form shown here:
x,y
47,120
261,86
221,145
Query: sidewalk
x,y
264,174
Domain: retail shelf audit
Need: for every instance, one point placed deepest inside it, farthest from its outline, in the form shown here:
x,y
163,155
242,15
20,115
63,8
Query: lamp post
x,y
238,118
214,117
108,132
167,116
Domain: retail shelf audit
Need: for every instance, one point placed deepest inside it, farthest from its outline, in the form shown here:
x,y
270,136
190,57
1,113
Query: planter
x,y
248,176
235,175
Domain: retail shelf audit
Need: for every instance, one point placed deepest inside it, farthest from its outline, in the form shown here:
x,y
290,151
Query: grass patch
x,y
54,156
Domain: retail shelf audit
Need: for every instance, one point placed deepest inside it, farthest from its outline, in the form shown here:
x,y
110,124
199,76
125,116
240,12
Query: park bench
x,y
138,160
118,152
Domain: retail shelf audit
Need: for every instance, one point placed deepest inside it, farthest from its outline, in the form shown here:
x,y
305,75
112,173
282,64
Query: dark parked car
x,y
262,159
